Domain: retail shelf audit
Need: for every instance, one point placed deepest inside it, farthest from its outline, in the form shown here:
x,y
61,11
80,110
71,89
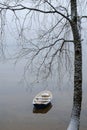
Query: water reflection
x,y
42,111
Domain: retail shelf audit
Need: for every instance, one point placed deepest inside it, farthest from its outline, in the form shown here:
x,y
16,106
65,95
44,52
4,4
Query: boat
x,y
43,99
41,110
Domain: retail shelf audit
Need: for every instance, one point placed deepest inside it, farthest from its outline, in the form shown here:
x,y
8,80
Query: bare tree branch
x,y
22,7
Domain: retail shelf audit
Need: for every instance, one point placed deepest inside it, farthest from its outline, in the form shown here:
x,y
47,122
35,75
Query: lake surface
x,y
16,109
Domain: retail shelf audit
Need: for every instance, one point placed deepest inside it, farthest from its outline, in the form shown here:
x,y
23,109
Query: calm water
x,y
16,109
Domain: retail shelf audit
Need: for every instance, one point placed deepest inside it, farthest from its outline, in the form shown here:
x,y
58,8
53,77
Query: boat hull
x,y
41,106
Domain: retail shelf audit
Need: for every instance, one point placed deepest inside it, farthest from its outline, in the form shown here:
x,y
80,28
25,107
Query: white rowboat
x,y
42,99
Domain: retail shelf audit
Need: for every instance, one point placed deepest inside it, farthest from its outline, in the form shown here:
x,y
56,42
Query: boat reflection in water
x,y
43,110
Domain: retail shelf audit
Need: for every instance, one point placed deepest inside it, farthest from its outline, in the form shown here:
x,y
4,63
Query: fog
x,y
18,88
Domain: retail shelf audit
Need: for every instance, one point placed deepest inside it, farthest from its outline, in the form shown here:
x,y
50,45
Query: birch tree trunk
x,y
77,97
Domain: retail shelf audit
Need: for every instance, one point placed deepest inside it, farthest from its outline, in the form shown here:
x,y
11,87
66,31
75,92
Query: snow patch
x,y
74,124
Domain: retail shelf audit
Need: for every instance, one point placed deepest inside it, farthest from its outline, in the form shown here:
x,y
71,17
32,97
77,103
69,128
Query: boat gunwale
x,y
46,101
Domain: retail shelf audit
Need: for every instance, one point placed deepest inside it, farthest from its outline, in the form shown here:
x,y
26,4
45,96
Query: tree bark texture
x,y
77,97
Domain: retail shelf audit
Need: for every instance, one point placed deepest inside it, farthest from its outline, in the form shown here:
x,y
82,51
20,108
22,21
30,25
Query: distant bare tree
x,y
56,26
